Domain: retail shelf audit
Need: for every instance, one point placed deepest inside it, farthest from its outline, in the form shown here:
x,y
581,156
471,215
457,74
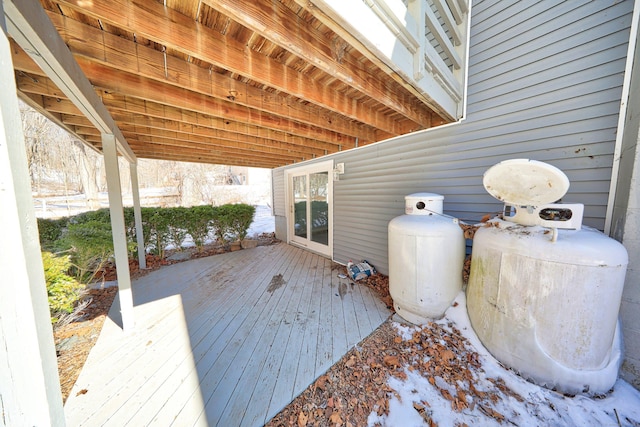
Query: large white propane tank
x,y
426,257
545,301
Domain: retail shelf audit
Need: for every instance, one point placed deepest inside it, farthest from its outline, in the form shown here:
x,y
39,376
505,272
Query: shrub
x,y
63,290
92,245
241,218
130,229
50,231
199,223
221,223
101,215
158,221
177,229
231,222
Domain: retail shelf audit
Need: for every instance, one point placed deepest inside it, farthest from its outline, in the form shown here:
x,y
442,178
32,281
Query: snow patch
x,y
416,400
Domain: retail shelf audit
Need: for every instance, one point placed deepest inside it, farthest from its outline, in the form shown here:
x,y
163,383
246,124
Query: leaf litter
x,y
439,374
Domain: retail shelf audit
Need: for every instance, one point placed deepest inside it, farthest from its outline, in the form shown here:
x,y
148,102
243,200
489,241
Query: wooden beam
x,y
181,157
135,123
116,52
194,149
155,110
160,152
209,145
113,80
179,131
134,111
280,25
28,24
170,130
162,93
177,31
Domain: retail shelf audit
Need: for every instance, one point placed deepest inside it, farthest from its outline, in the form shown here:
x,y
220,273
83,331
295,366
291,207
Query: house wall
x,y
545,82
626,226
279,209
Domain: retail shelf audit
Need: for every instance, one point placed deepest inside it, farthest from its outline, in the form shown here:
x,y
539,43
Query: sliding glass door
x,y
309,220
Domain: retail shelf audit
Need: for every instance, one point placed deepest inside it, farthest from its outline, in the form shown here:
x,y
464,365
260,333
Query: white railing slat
x,y
438,32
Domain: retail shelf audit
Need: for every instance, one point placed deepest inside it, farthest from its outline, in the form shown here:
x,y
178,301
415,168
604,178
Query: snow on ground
x,y
263,221
525,404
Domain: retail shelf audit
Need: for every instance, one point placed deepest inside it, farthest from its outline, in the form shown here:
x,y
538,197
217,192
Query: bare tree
x,y
59,161
88,164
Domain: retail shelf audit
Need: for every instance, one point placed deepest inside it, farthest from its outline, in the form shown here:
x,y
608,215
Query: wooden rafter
x,y
177,31
259,83
112,80
124,55
273,21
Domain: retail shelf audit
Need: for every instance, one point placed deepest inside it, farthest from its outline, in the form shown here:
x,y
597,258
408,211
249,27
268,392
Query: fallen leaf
x,y
447,355
321,383
335,418
446,394
491,412
391,361
351,362
400,375
302,419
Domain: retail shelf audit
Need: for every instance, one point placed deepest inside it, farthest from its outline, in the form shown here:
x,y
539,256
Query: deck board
x,y
222,341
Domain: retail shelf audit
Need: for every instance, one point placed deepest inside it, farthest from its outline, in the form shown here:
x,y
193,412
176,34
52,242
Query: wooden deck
x,y
227,340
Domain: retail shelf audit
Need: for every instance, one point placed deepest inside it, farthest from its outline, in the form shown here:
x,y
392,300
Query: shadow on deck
x,y
227,340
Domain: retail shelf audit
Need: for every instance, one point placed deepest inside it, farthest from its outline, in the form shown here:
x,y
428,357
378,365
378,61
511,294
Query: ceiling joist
x,y
262,83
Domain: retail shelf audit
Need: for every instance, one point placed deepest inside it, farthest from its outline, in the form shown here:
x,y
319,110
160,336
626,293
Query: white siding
x,y
278,188
278,192
545,81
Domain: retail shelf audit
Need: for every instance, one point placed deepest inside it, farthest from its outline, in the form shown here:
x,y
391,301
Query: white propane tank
x,y
545,301
426,257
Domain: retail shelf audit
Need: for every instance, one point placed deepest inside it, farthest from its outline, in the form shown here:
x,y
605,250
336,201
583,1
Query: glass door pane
x,y
319,195
300,206
309,196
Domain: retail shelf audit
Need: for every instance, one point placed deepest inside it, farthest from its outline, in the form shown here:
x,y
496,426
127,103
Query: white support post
x,y
29,383
135,192
118,230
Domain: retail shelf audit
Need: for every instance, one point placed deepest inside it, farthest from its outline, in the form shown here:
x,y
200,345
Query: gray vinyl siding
x,y
545,81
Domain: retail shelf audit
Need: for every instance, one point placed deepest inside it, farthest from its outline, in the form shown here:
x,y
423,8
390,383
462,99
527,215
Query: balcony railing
x,y
424,41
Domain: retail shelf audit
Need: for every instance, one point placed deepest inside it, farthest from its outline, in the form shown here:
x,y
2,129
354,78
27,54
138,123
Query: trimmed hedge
x,y
88,240
88,235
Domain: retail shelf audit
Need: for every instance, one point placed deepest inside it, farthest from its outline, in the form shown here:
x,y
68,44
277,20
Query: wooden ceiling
x,y
261,83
